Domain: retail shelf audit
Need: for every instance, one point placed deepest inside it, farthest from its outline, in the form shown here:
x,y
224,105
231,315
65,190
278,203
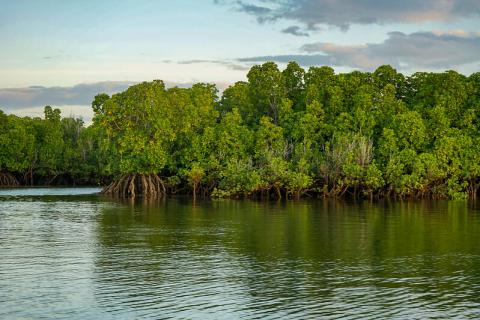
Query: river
x,y
73,254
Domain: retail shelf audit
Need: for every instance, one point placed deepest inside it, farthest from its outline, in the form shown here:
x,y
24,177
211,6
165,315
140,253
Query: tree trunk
x,y
279,193
297,195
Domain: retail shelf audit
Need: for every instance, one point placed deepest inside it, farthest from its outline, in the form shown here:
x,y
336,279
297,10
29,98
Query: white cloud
x,y
34,96
427,50
343,13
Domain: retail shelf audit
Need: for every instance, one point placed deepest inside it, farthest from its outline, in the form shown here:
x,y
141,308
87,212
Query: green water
x,y
67,254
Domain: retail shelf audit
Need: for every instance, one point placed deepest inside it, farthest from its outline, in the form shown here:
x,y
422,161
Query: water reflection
x,y
309,259
88,257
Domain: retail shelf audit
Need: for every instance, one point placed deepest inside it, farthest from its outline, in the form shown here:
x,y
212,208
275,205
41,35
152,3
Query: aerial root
x,y
133,185
8,180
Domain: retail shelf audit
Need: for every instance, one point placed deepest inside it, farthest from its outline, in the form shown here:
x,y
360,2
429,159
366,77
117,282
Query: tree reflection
x,y
248,257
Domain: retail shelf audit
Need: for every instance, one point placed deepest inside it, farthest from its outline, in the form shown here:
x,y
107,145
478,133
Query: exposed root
x,y
8,180
136,185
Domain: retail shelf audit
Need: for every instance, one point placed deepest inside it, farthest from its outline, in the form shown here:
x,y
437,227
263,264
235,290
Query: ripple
x,y
77,258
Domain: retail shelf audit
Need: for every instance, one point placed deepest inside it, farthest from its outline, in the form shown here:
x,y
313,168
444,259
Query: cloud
x,y
75,100
343,13
81,94
296,31
254,9
430,50
230,64
303,59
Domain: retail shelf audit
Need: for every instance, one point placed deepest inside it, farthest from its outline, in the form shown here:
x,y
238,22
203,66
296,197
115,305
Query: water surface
x,y
72,254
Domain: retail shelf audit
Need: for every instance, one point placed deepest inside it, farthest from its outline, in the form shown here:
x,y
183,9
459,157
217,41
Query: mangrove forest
x,y
282,134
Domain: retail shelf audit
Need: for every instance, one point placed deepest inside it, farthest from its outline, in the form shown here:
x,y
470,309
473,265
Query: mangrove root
x,y
8,180
136,185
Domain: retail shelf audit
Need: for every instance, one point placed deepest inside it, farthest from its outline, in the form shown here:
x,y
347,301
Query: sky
x,y
63,52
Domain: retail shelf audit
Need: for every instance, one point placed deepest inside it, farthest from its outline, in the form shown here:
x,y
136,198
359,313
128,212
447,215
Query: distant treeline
x,y
49,151
281,134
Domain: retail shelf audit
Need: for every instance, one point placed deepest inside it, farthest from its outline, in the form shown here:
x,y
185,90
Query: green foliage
x,y
17,143
280,134
50,150
266,89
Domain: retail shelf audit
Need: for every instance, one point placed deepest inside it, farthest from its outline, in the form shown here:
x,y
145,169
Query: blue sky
x,y
107,45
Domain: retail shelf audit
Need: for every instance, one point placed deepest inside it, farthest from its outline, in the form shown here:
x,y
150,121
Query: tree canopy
x,y
280,134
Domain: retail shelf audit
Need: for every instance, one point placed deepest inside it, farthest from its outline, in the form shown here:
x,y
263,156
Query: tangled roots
x,y
8,180
136,185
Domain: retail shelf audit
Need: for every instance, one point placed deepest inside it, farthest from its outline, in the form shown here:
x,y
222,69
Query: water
x,y
70,254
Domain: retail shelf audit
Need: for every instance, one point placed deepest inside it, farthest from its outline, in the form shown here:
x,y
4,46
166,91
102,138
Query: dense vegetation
x,y
48,151
281,134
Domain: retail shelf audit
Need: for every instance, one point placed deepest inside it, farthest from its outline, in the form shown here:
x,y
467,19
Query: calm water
x,y
67,254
